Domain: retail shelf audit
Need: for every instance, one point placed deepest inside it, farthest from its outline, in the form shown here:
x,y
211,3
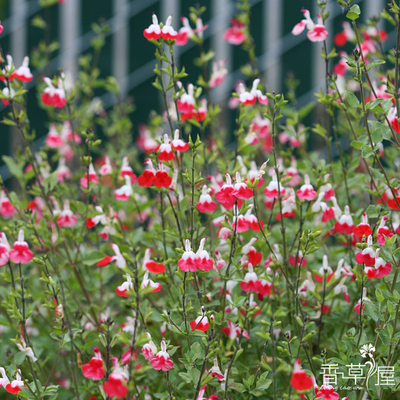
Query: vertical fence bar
x,y
70,17
120,61
272,32
18,42
223,51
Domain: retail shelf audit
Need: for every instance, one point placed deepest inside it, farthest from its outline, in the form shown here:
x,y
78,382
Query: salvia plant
x,y
197,263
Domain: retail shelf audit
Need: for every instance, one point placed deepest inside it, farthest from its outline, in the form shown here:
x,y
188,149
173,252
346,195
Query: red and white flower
x,y
89,177
116,384
306,192
178,144
345,223
383,232
235,34
106,168
233,331
67,218
15,386
162,360
149,349
94,369
316,32
300,381
23,73
6,208
118,257
206,203
54,96
241,190
363,228
367,256
165,150
187,262
274,189
153,32
200,323
125,191
125,287
4,249
218,74
381,267
20,253
155,286
251,282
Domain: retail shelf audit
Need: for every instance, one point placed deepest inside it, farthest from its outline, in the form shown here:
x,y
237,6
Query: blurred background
x,y
129,57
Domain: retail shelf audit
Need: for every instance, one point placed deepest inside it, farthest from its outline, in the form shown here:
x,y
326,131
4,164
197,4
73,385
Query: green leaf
x,y
13,167
351,99
371,310
379,131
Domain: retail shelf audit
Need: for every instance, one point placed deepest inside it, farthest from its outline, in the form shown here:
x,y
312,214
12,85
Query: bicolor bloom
x,y
381,267
153,32
367,256
206,203
251,282
218,74
125,191
274,189
253,256
363,228
151,265
316,32
8,95
241,190
54,96
63,172
149,349
347,34
161,178
23,73
67,218
359,307
325,272
216,372
300,381
233,331
15,386
100,218
326,392
6,208
178,144
383,232
116,384
165,150
235,34
306,192
162,360
288,206
203,260
187,262
106,168
342,288
4,249
155,286
147,178
20,253
185,103
127,170
118,257
167,31
200,323
94,369
89,177
201,394
345,223
248,98
225,195
125,287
